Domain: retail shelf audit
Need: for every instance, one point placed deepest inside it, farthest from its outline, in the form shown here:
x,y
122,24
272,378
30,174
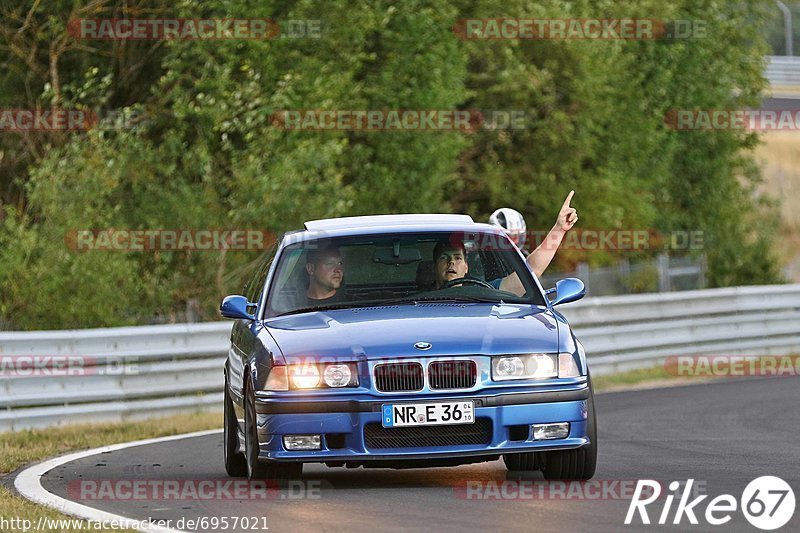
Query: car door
x,y
244,334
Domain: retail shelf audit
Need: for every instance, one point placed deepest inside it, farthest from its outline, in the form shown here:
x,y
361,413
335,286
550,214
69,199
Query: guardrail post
x,y
625,274
663,273
701,282
192,310
787,27
582,273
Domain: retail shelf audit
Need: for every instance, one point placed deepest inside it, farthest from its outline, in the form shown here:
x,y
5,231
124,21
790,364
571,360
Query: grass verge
x,y
23,447
643,377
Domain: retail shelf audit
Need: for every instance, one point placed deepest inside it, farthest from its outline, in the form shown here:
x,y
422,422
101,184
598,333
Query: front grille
x,y
452,374
398,377
376,436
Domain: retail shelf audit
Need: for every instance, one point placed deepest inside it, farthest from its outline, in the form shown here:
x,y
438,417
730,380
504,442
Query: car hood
x,y
392,331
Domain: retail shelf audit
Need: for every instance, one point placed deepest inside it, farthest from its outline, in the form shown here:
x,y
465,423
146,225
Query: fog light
x,y
302,442
551,431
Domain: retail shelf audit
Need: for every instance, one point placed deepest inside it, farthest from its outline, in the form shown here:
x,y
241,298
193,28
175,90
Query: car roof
x,y
372,224
329,224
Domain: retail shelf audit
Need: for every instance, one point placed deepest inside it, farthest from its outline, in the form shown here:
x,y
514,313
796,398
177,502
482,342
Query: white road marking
x,y
28,482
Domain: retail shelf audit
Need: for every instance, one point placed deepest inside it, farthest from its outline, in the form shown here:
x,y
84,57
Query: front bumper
x,y
342,425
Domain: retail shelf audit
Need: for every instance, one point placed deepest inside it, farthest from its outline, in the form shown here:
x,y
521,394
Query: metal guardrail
x,y
137,372
120,373
783,73
663,273
627,332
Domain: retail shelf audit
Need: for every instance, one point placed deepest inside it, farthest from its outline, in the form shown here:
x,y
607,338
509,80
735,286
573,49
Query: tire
x,y
579,463
574,464
522,462
257,468
235,463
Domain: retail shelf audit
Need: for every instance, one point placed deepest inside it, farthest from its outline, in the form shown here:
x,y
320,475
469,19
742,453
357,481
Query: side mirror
x,y
235,306
568,290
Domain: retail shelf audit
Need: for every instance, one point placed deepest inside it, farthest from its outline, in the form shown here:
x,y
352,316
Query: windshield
x,y
395,268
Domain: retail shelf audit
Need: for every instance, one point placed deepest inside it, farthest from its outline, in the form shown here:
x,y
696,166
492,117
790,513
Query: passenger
x,y
514,225
450,258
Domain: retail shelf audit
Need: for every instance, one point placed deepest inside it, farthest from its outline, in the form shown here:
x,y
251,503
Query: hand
x,y
568,216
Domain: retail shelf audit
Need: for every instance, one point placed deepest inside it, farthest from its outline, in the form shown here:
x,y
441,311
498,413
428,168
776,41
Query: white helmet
x,y
512,223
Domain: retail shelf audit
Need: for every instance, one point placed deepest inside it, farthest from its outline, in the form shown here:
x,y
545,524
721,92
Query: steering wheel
x,y
473,281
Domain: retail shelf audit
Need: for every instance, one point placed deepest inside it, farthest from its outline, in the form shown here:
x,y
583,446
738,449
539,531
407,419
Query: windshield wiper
x,y
454,299
329,307
406,300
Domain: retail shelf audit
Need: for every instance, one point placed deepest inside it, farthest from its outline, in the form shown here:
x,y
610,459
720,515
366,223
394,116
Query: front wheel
x,y
257,468
579,463
576,464
522,462
235,463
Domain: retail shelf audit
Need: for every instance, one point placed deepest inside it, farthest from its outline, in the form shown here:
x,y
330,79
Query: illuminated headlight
x,y
530,366
320,375
304,376
302,442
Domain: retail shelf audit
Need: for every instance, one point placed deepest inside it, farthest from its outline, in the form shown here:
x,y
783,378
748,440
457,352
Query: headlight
x,y
508,368
530,366
320,375
337,375
304,376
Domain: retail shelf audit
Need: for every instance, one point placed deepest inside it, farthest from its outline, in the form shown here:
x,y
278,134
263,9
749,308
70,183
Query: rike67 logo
x,y
767,503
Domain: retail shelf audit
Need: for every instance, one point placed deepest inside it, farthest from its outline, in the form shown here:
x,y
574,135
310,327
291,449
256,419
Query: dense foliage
x,y
200,150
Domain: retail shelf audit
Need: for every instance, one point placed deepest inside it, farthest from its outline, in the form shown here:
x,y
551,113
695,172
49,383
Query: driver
x,y
449,261
325,269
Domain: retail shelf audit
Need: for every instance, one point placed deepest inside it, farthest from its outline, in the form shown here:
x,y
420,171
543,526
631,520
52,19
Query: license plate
x,y
428,414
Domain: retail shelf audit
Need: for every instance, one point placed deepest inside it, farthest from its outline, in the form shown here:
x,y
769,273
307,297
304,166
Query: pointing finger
x,y
567,201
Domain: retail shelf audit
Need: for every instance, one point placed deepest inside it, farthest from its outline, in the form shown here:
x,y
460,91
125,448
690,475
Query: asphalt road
x,y
723,435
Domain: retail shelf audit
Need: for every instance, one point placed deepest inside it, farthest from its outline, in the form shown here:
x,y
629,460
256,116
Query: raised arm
x,y
540,258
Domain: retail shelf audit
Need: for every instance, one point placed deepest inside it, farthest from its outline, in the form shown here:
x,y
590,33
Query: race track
x,y
723,434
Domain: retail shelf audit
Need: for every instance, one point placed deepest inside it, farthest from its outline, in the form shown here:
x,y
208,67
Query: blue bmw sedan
x,y
404,341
